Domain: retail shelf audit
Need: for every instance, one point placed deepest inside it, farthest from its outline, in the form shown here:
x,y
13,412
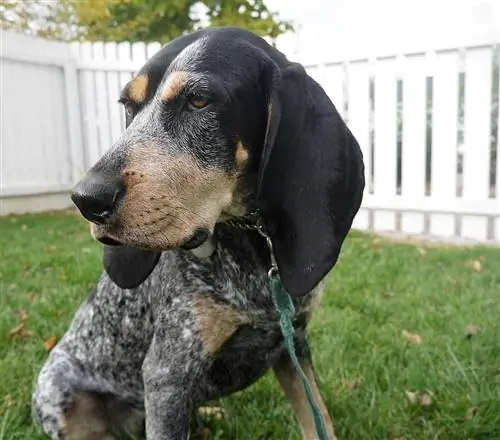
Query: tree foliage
x,y
134,20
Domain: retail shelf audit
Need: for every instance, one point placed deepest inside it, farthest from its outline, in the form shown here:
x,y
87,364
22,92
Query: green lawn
x,y
393,321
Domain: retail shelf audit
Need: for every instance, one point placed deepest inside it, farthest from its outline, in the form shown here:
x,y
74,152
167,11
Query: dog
x,y
225,138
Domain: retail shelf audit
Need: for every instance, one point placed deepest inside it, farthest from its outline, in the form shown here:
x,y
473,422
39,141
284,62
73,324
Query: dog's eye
x,y
196,102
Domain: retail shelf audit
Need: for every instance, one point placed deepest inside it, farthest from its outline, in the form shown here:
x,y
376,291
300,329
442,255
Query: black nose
x,y
97,198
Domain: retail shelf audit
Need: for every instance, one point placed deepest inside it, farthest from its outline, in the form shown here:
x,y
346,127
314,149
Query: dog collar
x,y
250,222
206,249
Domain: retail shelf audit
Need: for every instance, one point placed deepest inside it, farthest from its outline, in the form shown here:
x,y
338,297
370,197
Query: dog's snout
x,y
97,199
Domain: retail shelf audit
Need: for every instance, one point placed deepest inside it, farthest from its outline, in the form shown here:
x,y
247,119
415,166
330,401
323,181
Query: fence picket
x,y
103,124
359,116
113,88
76,150
413,146
124,55
496,221
316,73
138,55
477,137
58,161
333,84
88,98
152,49
385,140
444,139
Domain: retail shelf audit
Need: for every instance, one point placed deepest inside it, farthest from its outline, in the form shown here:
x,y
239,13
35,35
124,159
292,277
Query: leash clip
x,y
273,270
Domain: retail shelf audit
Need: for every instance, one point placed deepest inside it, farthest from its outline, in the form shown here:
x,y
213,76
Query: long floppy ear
x,y
128,266
311,179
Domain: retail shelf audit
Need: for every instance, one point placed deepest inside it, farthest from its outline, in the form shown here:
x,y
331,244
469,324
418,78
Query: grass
x,y
365,362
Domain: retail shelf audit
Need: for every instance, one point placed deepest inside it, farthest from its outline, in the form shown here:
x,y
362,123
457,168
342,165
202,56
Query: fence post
x,y
77,157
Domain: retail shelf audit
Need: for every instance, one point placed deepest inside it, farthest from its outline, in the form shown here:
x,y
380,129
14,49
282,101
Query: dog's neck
x,y
249,222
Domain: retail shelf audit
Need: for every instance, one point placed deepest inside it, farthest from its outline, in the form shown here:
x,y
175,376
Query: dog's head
x,y
220,123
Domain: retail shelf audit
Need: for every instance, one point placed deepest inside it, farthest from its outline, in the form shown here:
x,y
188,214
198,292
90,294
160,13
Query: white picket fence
x,y
427,122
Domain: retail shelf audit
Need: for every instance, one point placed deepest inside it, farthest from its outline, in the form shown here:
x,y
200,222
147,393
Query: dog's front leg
x,y
167,377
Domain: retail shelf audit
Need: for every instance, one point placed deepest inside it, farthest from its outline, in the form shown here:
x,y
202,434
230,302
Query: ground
x,y
406,342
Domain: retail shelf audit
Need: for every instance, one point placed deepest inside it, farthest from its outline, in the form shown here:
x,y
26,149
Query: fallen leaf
x,y
426,398
8,400
474,264
16,330
352,384
376,241
412,397
23,314
478,267
414,338
20,331
422,251
471,330
471,412
52,249
213,411
24,227
482,258
49,343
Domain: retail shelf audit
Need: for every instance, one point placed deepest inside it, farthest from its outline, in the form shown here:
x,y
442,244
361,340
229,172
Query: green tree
x,y
134,20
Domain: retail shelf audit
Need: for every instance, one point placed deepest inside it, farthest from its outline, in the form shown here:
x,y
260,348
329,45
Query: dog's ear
x,y
311,179
128,266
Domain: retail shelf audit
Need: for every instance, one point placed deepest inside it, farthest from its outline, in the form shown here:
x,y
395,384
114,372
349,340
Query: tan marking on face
x,y
138,88
174,84
236,209
292,385
216,322
241,156
167,198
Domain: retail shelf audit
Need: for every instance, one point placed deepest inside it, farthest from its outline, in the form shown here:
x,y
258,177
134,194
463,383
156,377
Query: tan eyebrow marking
x,y
138,88
174,84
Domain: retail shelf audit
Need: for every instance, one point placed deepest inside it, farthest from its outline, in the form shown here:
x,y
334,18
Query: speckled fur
x,y
184,329
126,342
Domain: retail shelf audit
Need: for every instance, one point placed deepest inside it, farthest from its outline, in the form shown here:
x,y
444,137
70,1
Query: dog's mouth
x,y
195,240
108,241
199,237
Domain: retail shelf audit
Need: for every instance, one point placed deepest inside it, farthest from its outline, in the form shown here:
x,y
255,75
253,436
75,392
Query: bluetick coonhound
x,y
220,126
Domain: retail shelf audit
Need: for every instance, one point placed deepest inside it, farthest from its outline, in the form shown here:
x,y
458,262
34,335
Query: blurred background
x,y
417,82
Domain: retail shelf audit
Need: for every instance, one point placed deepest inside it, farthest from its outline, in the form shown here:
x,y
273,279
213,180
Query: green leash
x,y
286,311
